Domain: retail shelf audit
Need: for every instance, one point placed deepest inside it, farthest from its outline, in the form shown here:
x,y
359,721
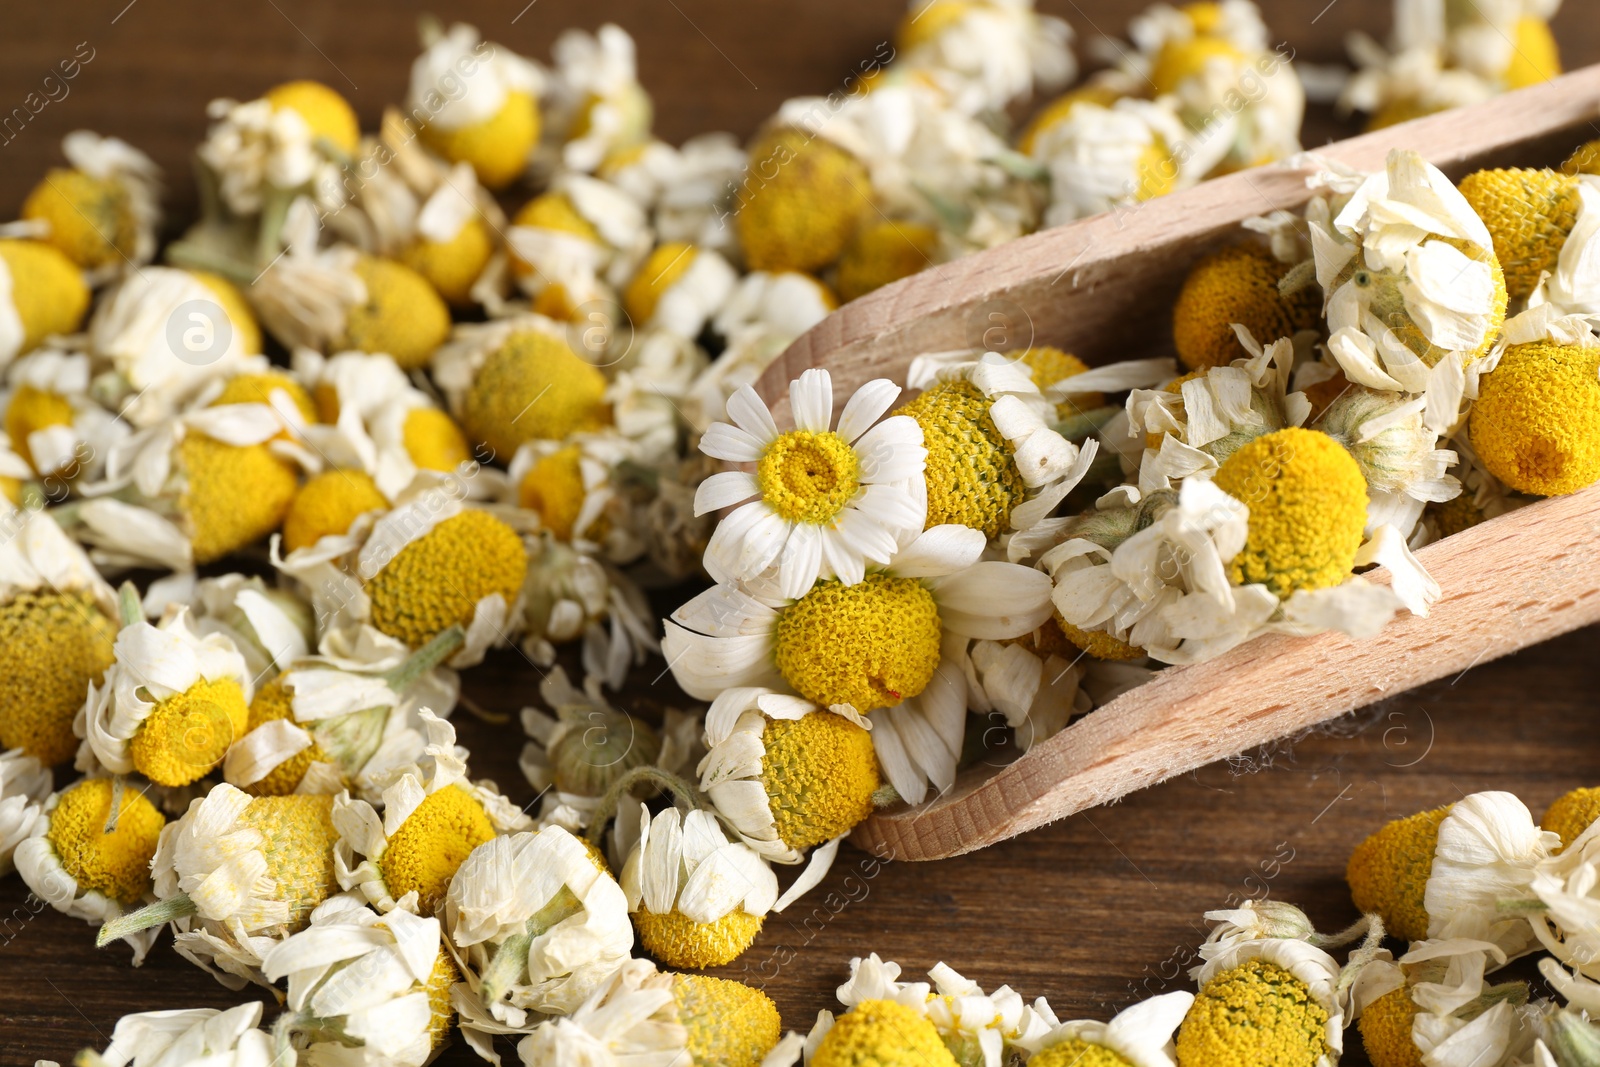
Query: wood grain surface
x,y
1095,911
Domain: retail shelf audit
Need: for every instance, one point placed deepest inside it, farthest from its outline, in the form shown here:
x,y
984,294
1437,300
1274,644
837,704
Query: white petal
x,y
994,600
866,407
940,550
892,451
729,443
810,400
723,491
750,414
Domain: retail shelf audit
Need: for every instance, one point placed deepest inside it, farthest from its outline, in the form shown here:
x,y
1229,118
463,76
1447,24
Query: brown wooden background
x,y
1094,912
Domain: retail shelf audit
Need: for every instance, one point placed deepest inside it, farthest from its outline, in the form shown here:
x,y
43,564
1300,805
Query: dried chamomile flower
x,y
1100,89
235,874
575,245
603,110
537,924
1270,997
1559,903
881,1032
166,334
271,627
829,501
1099,158
1566,1035
102,211
42,294
678,288
995,461
1433,1006
263,152
1388,872
686,189
363,987
568,595
1570,814
402,314
884,251
171,703
786,775
433,817
171,1038
88,852
1138,1036
24,786
454,236
1386,435
984,55
58,620
802,200
574,490
698,900
1530,214
1236,284
476,102
891,646
1536,422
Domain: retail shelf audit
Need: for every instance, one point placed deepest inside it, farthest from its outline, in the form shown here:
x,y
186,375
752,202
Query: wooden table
x,y
1094,912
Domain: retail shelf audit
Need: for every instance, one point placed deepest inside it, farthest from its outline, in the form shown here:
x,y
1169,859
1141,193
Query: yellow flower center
x,y
1386,1030
1049,366
403,316
235,306
1585,160
885,251
497,148
327,505
1387,302
929,20
30,411
441,1010
660,272
1256,1013
882,1033
434,840
232,496
1529,214
453,266
1179,61
729,1023
1536,423
53,646
436,581
188,733
47,290
800,202
533,386
1060,637
115,864
91,219
258,389
971,476
274,701
1075,1052
1308,508
1388,873
679,941
555,211
299,837
1237,284
554,488
819,773
433,440
807,476
1535,57
326,112
1571,814
869,645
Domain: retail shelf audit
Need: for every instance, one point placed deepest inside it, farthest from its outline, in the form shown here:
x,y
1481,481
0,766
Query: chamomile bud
x,y
42,293
698,900
1386,435
1308,508
533,385
1571,814
103,210
1236,284
453,241
587,744
884,1033
678,288
84,869
884,251
1530,214
1269,999
1536,422
802,200
477,101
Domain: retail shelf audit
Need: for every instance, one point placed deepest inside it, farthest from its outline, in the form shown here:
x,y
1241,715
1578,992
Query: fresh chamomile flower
x,y
885,1033
476,102
1433,1006
1530,214
604,109
362,987
58,620
985,55
1138,1036
890,647
697,899
786,775
1386,435
802,200
102,211
231,1038
1570,814
235,874
83,869
678,288
1236,284
1536,422
171,703
263,152
42,294
433,817
829,501
24,786
884,251
537,924
994,460
1267,997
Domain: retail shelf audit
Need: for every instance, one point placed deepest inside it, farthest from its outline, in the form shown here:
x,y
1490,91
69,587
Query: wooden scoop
x,y
1103,288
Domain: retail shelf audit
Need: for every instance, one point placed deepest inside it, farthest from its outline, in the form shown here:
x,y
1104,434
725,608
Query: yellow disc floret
x,y
233,495
801,202
327,505
1386,1030
678,941
30,411
433,441
441,1008
452,266
299,839
235,307
273,702
91,219
497,148
436,581
403,315
53,645
882,1033
808,476
116,865
258,389
1308,508
1535,57
1056,111
1256,1014
325,112
971,476
1180,60
819,773
659,272
187,734
553,487
47,290
730,1024
1571,814
1059,636
1529,214
533,386
1075,1052
1048,366
1536,423
885,251
869,645
435,839
928,20
1237,284
1585,160
1388,873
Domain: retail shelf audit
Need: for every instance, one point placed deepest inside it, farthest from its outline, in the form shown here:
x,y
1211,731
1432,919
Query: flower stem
x,y
128,604
1365,953
162,911
645,775
511,958
425,659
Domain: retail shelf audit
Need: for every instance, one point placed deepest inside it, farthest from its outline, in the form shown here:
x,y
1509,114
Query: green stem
x,y
645,775
426,658
1368,950
1521,907
274,211
511,958
129,604
162,911
191,257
